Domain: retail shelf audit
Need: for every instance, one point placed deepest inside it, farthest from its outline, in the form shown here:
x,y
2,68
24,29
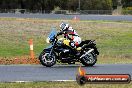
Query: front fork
x,y
50,53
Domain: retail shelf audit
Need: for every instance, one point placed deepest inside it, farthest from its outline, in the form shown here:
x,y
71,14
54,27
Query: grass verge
x,y
113,38
61,85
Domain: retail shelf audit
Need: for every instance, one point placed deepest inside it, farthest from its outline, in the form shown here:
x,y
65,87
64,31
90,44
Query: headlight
x,y
48,40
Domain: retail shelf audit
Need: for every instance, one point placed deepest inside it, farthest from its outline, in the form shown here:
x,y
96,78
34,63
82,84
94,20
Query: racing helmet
x,y
64,26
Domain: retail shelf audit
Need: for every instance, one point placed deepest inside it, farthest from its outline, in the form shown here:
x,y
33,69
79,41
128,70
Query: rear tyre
x,y
89,60
47,60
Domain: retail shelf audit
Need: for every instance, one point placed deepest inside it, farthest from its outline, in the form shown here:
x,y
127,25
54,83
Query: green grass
x,y
114,39
61,85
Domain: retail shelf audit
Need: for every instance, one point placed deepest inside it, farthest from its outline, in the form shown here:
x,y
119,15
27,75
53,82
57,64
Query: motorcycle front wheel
x,y
46,59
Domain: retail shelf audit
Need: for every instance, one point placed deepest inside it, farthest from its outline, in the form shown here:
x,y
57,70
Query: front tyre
x,y
89,60
46,59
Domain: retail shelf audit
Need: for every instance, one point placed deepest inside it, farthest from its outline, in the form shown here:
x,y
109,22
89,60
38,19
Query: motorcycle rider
x,y
71,34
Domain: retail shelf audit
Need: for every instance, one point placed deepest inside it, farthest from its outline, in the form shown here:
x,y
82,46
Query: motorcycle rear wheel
x,y
89,60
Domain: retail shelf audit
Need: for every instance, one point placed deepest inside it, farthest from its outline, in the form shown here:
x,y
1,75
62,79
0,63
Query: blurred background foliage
x,y
64,4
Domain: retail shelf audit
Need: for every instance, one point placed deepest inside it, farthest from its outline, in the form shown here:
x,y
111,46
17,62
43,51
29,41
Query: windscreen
x,y
52,34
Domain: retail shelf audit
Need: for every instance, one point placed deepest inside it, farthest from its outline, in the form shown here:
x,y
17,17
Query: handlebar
x,y
60,33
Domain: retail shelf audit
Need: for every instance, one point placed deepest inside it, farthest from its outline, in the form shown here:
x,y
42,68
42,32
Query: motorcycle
x,y
60,51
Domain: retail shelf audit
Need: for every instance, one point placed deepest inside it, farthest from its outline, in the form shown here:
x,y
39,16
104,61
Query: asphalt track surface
x,y
16,73
69,17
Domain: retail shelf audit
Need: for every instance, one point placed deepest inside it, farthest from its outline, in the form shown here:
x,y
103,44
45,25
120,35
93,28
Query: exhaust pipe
x,y
91,50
